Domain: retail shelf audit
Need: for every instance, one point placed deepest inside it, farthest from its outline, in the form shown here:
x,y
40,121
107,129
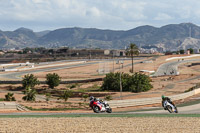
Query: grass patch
x,y
188,103
75,85
140,110
2,99
102,115
52,109
93,88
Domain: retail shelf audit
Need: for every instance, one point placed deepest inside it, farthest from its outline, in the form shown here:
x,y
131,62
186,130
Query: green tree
x,y
29,81
30,95
27,50
182,51
131,51
191,51
136,83
140,82
112,81
9,97
53,80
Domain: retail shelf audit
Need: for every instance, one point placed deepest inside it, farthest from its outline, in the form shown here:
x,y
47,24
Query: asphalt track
x,y
191,109
171,68
163,70
18,75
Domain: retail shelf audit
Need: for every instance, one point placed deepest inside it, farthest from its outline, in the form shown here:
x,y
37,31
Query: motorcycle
x,y
171,108
98,107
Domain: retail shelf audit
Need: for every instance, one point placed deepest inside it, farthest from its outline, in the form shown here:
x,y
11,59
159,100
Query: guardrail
x,y
182,57
147,101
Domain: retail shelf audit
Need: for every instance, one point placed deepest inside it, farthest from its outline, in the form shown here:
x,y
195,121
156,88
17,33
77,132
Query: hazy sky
x,y
104,14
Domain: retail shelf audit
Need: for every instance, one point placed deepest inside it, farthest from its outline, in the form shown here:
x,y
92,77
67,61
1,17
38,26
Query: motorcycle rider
x,y
93,99
97,100
168,99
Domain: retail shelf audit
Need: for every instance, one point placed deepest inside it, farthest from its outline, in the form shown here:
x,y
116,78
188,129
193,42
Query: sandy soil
x,y
167,85
99,125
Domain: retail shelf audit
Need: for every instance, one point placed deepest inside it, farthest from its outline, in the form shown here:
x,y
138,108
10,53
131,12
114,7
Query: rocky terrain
x,y
169,37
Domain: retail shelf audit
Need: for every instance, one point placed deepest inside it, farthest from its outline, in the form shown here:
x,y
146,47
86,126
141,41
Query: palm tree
x,y
132,50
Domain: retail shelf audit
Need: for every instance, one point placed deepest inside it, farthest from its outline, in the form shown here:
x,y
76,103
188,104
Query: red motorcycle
x,y
98,106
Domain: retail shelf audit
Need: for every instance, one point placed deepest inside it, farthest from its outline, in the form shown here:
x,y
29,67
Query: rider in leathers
x,y
168,99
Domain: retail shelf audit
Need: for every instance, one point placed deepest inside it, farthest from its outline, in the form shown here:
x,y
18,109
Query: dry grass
x,y
99,125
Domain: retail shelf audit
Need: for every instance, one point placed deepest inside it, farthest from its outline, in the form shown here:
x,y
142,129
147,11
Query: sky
x,y
40,15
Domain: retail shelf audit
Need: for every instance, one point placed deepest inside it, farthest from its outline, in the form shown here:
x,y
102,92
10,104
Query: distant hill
x,y
169,37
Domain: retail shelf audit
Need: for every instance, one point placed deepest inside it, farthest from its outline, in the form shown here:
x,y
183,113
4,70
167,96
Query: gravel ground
x,y
99,125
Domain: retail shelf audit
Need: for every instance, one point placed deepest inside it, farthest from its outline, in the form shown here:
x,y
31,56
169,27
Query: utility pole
x,y
113,63
120,77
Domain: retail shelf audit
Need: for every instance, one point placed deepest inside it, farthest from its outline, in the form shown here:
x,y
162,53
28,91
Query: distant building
x,y
188,52
118,53
196,51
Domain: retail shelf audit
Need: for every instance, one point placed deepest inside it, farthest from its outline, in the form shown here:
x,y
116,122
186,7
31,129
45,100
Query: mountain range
x,y
168,37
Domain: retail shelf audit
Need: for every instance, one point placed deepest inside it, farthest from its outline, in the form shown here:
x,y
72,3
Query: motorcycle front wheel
x,y
169,108
176,110
109,110
96,109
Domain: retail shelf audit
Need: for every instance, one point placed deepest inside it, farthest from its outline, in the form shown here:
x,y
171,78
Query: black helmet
x,y
95,99
91,98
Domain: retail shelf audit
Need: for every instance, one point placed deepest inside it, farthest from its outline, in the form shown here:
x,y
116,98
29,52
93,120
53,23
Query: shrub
x,y
9,97
66,94
72,86
53,80
85,96
108,97
140,82
193,88
112,81
136,83
48,95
